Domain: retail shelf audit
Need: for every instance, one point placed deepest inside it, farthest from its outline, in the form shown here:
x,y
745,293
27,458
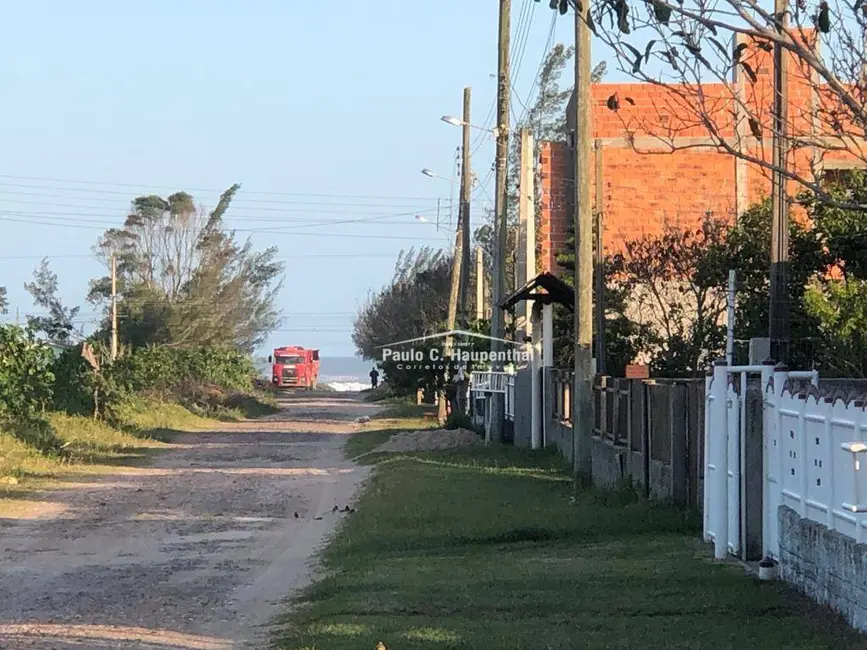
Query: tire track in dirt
x,y
194,551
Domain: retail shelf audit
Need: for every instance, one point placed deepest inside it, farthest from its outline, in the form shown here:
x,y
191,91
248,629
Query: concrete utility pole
x,y
526,266
498,286
778,327
599,264
466,189
582,414
113,308
480,284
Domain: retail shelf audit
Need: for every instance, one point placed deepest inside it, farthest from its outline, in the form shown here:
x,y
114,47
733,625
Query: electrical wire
x,y
141,186
523,38
548,45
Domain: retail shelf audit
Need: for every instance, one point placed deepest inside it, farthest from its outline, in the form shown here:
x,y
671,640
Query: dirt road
x,y
194,551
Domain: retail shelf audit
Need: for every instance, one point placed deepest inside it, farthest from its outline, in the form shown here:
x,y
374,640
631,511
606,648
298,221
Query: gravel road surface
x,y
194,551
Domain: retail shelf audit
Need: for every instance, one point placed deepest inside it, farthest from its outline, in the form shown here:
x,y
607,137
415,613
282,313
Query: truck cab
x,y
294,367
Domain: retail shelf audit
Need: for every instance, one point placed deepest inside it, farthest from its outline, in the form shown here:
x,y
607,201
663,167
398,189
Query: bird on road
x,y
296,515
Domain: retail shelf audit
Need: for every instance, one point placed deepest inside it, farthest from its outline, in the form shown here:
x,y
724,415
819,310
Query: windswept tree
x,y
58,324
185,280
413,304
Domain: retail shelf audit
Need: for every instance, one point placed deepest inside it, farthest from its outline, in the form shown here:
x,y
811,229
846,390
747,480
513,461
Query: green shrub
x,y
26,376
459,420
197,376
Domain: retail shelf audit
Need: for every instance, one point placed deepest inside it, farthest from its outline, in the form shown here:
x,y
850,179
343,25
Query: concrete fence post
x,y
718,441
706,459
752,479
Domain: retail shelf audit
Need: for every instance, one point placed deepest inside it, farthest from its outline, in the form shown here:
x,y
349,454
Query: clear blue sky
x,y
300,99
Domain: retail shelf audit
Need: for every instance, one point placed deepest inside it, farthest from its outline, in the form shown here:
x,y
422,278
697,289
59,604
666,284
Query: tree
x,y
679,46
747,251
184,280
413,304
836,303
840,308
58,324
624,338
4,301
25,374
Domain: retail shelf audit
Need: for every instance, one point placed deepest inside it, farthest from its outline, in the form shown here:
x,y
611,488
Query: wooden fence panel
x,y
659,421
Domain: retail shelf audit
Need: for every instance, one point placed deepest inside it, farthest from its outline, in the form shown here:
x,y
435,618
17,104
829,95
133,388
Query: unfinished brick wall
x,y
555,199
656,162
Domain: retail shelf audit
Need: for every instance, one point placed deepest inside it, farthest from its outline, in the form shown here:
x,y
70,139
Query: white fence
x,y
810,457
489,382
510,397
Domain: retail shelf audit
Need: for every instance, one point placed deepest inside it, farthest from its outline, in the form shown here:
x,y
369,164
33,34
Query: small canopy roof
x,y
555,290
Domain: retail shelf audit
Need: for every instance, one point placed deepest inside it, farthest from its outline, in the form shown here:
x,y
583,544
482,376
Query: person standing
x,y
374,378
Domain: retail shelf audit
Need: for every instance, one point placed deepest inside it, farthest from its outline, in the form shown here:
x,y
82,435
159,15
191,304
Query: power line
x,y
235,202
49,256
102,224
548,44
249,230
523,38
480,138
141,186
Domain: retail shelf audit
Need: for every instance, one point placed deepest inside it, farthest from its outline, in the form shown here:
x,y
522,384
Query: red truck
x,y
294,367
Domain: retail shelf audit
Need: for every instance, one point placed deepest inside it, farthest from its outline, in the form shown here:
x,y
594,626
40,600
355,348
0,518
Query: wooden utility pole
x,y
480,284
498,284
599,265
466,189
582,414
454,294
113,308
778,326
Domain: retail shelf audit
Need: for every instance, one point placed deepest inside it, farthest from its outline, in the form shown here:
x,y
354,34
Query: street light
x,y
454,121
430,173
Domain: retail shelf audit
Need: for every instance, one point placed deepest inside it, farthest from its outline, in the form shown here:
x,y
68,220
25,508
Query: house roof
x,y
555,290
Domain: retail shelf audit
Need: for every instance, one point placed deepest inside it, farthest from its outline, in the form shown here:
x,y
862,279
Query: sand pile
x,y
429,439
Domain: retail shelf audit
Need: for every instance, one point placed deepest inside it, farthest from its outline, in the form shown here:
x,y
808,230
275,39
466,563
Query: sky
x,y
323,112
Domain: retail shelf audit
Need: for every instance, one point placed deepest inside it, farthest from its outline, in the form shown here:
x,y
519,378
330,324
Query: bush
x,y
26,376
188,375
458,420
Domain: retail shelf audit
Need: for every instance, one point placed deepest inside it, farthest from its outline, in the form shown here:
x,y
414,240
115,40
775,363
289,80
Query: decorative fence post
x,y
768,444
719,458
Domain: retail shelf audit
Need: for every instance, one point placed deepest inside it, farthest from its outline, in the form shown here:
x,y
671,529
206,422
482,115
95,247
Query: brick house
x,y
658,166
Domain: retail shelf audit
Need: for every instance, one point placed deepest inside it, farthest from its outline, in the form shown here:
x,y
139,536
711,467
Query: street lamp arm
x,y
454,121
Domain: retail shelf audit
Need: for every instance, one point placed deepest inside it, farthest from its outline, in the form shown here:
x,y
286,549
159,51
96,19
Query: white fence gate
x,y
725,462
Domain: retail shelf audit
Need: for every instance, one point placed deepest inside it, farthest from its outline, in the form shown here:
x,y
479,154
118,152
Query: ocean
x,y
340,373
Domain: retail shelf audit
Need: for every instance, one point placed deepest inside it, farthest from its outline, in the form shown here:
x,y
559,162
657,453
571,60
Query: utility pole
x,y
498,284
526,266
778,330
599,265
582,414
113,308
466,189
454,297
480,284
730,317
